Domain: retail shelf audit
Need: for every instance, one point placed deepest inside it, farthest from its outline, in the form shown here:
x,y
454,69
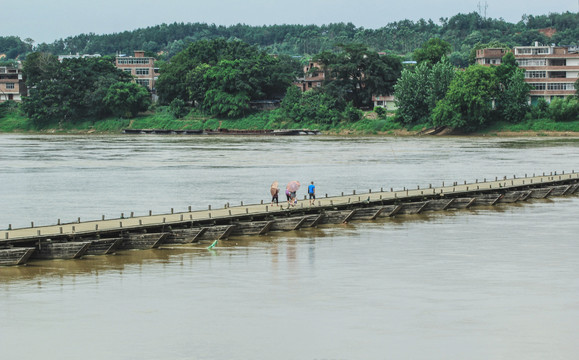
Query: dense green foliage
x,y
223,77
303,107
12,46
69,91
469,100
564,109
177,108
355,73
462,32
219,70
481,95
419,90
432,51
126,99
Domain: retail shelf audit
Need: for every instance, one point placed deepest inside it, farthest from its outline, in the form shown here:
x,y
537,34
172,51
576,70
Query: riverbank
x,y
368,125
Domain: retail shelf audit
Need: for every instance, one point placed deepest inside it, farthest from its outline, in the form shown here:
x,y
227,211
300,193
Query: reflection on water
x,y
484,283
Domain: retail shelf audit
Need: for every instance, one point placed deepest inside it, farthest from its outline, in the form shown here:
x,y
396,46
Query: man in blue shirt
x,y
312,193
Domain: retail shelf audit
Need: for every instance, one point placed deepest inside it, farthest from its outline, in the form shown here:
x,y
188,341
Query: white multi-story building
x,y
550,70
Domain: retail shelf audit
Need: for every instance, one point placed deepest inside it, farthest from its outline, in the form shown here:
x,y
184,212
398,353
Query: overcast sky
x,y
49,20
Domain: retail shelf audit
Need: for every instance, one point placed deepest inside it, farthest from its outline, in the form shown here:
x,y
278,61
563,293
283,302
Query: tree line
x,y
436,93
222,78
461,31
75,90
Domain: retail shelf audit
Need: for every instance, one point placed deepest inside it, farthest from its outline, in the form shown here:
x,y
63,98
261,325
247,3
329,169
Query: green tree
x,y
439,79
419,90
513,92
178,109
564,109
48,102
222,77
40,66
126,99
432,51
513,100
411,95
314,106
468,103
69,91
462,31
507,68
355,73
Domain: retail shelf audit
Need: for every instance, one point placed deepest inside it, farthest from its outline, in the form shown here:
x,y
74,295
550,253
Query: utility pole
x,y
486,5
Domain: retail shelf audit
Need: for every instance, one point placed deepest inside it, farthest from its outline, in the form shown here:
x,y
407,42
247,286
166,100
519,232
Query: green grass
x,y
540,125
160,118
15,122
370,126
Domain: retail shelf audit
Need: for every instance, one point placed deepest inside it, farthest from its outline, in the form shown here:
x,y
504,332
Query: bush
x,y
3,109
380,111
127,99
352,113
564,109
178,109
312,106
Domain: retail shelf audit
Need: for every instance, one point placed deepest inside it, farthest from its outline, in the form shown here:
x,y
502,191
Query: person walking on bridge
x,y
312,193
274,190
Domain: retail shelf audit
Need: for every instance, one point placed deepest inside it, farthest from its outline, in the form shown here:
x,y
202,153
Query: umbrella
x,y
274,188
293,186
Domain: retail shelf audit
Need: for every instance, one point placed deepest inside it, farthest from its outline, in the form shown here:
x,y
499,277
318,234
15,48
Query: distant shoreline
x,y
343,133
367,126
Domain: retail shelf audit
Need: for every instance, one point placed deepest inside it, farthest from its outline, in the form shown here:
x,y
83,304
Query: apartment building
x,y
141,67
12,85
550,70
490,56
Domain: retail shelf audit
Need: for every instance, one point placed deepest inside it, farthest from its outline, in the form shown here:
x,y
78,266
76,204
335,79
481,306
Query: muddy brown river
x,y
487,283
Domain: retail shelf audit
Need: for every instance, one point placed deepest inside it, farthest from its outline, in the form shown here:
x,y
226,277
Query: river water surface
x,y
488,283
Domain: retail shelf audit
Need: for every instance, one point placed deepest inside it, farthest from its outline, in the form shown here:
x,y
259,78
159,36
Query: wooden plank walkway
x,y
140,222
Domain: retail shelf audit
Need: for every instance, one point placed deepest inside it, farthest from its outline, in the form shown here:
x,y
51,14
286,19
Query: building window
x,y
560,86
532,62
142,71
533,51
558,62
535,74
557,74
133,61
10,86
143,82
127,70
538,86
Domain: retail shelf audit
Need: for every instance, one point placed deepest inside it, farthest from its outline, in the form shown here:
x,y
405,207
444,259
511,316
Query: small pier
x,y
287,132
105,236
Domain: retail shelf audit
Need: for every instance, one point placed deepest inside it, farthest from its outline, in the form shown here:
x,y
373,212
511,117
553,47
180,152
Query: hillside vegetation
x,y
462,31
